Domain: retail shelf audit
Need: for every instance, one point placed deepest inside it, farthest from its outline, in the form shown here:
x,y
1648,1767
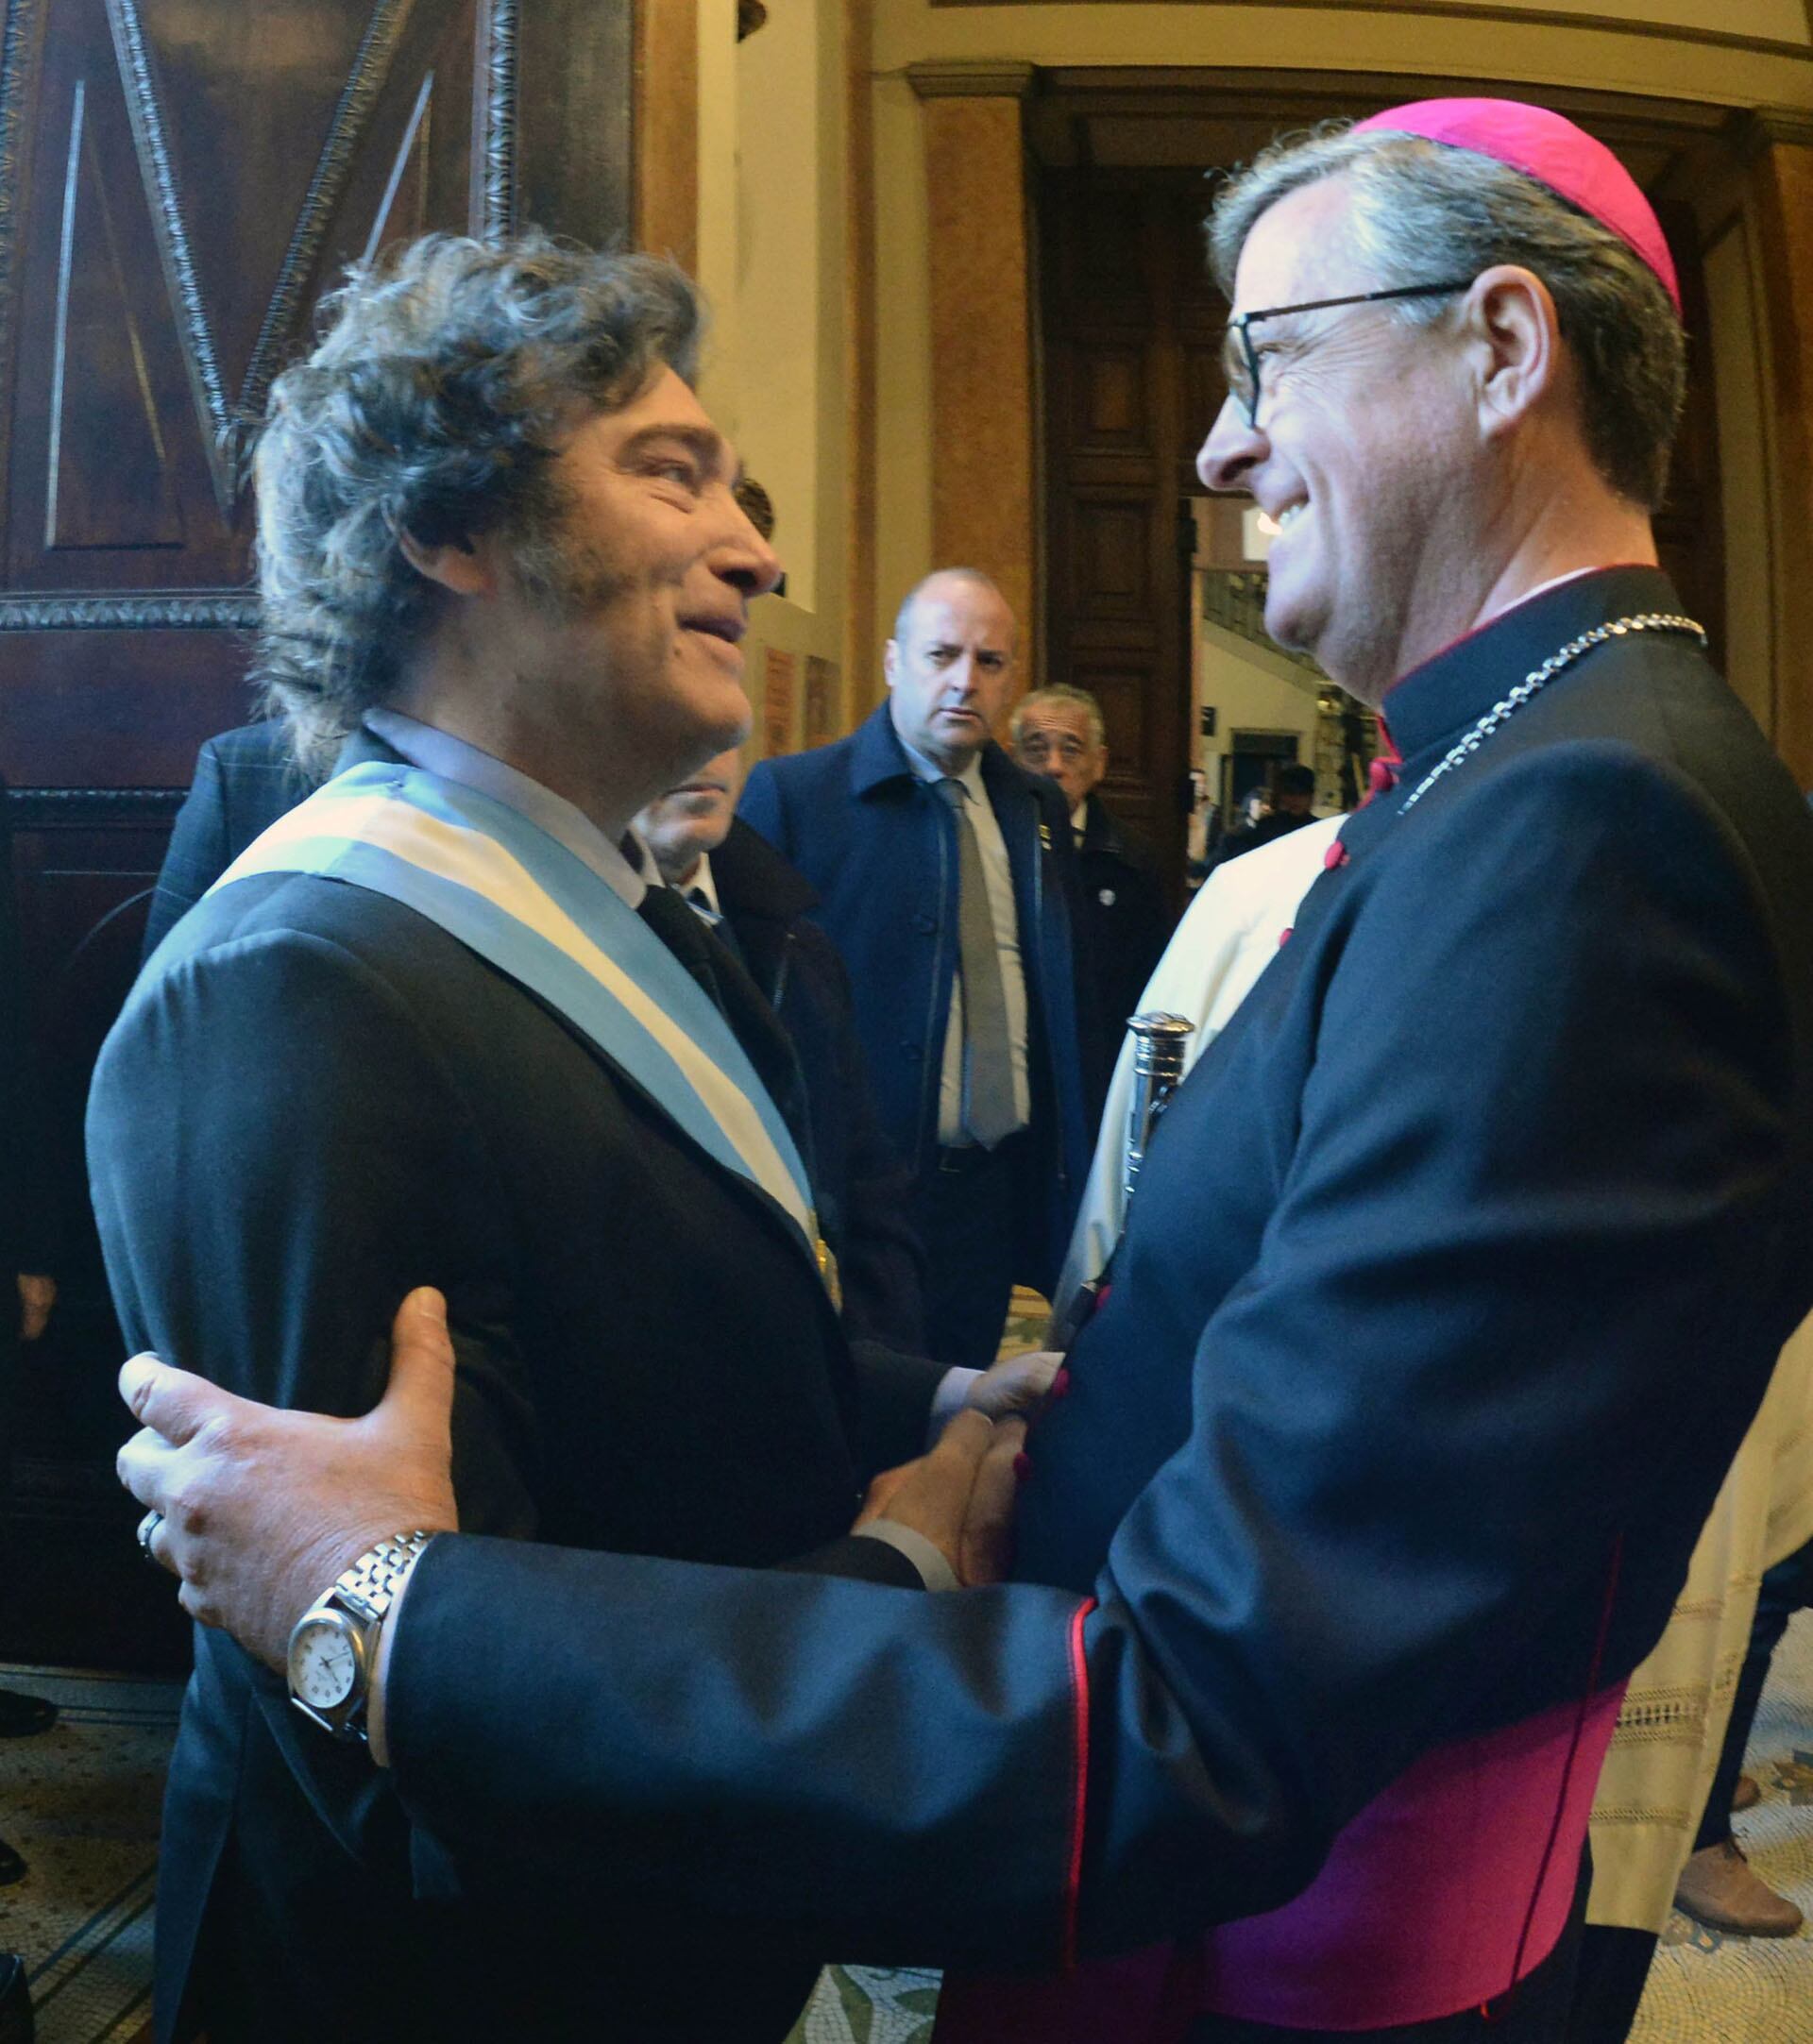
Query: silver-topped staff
x,y
1159,1042
1158,1045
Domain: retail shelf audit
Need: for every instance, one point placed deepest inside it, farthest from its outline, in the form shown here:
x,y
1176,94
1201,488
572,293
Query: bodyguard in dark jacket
x,y
759,907
27,1290
864,819
1123,920
245,780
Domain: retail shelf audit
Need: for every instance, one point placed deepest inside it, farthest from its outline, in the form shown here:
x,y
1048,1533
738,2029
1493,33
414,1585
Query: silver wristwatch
x,y
334,1644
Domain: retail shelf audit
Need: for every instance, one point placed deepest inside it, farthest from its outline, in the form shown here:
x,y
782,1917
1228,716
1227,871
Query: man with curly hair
x,y
436,1022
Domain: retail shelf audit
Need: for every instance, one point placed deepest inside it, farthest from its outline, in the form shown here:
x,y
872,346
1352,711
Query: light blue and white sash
x,y
525,903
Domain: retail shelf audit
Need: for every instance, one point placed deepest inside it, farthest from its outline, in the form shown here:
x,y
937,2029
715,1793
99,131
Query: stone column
x,y
666,209
983,512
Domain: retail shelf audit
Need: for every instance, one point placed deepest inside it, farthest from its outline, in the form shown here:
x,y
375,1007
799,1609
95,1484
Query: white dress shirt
x,y
455,759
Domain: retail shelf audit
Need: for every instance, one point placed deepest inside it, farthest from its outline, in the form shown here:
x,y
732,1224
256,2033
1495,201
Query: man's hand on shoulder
x,y
263,1508
960,1496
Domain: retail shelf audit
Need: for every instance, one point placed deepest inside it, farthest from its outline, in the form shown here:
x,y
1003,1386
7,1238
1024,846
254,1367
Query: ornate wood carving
x,y
496,165
370,70
185,610
41,809
17,46
146,113
233,420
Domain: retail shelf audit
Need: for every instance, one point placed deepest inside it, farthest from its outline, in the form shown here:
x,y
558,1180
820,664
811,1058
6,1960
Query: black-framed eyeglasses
x,y
1242,373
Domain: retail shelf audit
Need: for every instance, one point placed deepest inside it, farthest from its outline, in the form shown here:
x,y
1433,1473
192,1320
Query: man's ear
x,y
891,660
456,564
1510,321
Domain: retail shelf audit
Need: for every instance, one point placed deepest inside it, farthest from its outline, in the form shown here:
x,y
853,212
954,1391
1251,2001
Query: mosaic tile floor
x,y
1708,1989
81,1803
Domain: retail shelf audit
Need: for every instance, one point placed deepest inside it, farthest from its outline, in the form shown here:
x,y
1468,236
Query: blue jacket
x,y
245,780
881,849
860,1183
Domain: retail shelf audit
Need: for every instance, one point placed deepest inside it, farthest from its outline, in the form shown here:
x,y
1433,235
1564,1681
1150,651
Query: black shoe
x,y
15,2001
11,1868
23,1718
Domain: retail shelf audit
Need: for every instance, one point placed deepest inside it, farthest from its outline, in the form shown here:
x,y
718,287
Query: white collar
x,y
456,759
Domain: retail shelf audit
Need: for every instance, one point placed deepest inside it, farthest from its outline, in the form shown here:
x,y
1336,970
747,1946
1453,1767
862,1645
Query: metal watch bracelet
x,y
373,1580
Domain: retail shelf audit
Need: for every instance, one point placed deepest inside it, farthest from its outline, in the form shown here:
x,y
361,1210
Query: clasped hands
x,y
263,1508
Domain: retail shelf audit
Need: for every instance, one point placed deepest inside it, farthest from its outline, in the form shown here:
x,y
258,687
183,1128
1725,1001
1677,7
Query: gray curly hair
x,y
433,406
1425,210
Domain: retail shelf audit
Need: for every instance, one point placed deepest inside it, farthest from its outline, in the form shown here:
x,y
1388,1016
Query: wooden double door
x,y
179,182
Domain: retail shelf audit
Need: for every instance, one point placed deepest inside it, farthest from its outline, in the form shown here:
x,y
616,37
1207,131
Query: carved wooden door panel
x,y
1131,329
180,182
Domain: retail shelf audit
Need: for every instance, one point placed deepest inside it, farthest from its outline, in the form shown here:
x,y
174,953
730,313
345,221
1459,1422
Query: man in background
x,y
27,1291
945,877
760,909
1292,805
1123,922
243,780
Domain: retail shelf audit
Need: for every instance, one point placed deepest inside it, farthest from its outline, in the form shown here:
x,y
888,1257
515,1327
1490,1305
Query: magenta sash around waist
x,y
1442,1891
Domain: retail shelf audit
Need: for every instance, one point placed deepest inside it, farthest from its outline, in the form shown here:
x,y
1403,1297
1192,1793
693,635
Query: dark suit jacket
x,y
244,781
1280,823
1123,926
880,848
1457,1270
314,1099
26,1197
861,1184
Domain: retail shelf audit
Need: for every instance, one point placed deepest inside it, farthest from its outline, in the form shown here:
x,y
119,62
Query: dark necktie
x,y
737,997
722,930
988,1048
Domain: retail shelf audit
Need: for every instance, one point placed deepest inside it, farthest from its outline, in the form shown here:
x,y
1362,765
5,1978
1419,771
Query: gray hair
x,y
1423,211
432,407
1061,692
980,577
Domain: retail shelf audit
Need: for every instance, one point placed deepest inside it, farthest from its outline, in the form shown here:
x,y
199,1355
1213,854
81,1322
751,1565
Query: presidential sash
x,y
535,910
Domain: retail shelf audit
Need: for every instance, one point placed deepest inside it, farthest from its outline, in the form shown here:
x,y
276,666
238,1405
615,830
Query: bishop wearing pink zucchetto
x,y
1454,1274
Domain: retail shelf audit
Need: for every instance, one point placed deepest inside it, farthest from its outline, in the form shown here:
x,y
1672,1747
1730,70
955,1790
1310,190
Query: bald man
x,y
947,878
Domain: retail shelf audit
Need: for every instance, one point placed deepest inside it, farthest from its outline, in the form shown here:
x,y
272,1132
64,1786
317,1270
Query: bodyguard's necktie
x,y
988,1048
717,922
683,935
754,1025
737,997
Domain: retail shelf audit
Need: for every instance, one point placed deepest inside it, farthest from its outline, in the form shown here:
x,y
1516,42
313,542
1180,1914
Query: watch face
x,y
324,1662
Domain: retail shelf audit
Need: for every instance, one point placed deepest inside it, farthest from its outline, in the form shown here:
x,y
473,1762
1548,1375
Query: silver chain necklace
x,y
1539,678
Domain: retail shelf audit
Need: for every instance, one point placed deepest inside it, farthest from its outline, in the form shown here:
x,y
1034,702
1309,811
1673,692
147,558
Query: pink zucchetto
x,y
1550,149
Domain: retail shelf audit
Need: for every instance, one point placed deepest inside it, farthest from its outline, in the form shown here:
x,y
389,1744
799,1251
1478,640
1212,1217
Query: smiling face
x,y
694,818
601,653
1364,453
950,669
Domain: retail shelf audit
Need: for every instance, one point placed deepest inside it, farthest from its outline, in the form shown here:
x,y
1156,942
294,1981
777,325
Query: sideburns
x,y
559,571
